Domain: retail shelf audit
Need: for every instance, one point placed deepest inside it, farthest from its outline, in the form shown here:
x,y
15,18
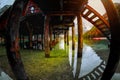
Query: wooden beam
x,y
114,55
80,40
62,13
46,36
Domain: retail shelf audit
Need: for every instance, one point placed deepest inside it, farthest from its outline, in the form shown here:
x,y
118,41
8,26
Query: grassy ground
x,y
40,68
54,68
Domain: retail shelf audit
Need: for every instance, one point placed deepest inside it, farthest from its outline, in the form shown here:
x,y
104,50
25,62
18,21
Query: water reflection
x,y
90,66
82,67
90,60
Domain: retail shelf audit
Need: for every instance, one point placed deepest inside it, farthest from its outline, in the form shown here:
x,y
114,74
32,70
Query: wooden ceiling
x,y
60,5
61,12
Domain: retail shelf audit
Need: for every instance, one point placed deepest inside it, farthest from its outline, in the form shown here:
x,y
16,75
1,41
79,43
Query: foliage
x,y
94,32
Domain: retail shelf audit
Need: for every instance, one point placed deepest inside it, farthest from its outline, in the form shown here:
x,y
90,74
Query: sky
x,y
5,2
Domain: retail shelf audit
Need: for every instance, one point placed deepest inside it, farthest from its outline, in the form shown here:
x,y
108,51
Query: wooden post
x,y
0,41
12,39
42,41
80,39
46,37
23,41
50,38
54,36
65,37
30,39
114,55
73,38
68,37
20,41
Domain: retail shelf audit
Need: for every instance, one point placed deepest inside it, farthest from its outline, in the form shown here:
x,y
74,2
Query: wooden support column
x,y
42,41
67,37
50,38
20,41
73,38
12,39
37,42
30,34
23,42
0,41
114,55
46,37
54,36
30,39
80,39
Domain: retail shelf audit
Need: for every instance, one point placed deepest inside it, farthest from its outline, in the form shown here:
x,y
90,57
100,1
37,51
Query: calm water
x,y
90,63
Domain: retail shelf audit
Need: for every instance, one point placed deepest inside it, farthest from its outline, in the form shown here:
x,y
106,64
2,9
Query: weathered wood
x,y
101,21
23,41
63,13
54,36
50,38
30,39
80,32
42,38
67,37
20,41
37,42
73,38
12,40
114,55
46,37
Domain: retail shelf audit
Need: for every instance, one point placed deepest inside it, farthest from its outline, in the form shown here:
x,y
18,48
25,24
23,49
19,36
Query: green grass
x,y
40,68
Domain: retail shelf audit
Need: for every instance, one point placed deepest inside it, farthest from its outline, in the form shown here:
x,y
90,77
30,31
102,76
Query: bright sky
x,y
5,2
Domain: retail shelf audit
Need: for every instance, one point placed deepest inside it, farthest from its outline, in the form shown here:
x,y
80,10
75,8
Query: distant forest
x,y
94,32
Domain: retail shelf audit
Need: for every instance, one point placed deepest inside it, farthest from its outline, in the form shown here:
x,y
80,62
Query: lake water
x,y
92,64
